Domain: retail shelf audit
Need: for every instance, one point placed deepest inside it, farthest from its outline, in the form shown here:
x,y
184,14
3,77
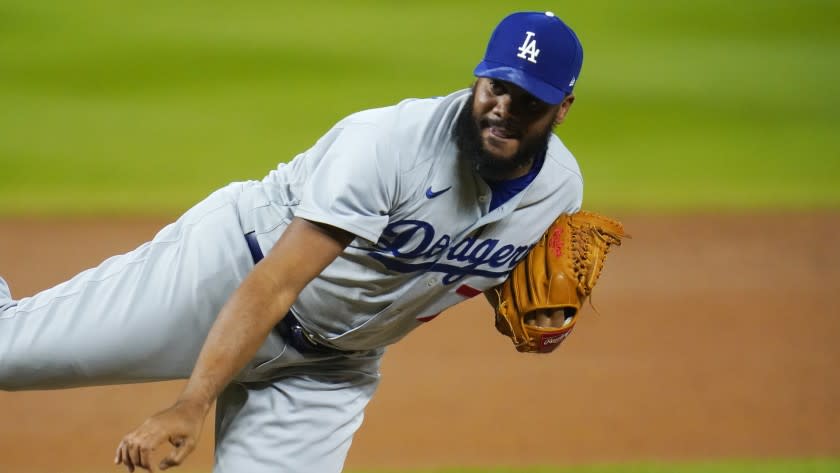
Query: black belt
x,y
290,328
293,332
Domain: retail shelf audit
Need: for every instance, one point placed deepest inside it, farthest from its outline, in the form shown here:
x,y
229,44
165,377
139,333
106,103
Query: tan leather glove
x,y
539,302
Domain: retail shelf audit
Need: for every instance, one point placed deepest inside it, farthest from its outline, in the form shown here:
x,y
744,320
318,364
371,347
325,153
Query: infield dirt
x,y
717,337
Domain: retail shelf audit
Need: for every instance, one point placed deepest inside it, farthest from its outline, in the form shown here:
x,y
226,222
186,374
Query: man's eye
x,y
497,88
532,102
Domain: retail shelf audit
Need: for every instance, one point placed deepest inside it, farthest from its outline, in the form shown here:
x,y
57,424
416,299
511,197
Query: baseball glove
x,y
537,305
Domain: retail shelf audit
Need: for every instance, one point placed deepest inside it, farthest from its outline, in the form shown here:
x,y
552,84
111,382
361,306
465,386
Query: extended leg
x,y
140,316
6,301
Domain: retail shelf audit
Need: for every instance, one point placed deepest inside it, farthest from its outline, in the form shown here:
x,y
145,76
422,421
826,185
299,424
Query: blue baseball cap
x,y
536,51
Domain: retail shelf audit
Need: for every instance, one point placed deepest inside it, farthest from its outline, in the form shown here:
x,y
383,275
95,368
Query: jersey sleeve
x,y
352,180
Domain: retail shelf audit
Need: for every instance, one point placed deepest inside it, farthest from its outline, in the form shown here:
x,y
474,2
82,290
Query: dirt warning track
x,y
717,337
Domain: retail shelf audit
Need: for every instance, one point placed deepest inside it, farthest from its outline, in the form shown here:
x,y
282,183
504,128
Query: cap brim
x,y
536,87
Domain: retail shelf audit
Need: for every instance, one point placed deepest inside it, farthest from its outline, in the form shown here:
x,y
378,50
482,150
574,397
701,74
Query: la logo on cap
x,y
529,50
547,70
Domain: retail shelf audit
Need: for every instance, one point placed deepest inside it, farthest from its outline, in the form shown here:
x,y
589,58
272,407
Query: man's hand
x,y
243,324
180,425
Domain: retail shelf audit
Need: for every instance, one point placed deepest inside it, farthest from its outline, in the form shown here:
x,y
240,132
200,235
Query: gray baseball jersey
x,y
426,240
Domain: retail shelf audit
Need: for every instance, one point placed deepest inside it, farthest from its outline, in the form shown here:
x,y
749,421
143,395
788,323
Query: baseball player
x,y
277,298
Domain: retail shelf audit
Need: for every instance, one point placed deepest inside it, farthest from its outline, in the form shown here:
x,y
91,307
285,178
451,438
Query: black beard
x,y
467,134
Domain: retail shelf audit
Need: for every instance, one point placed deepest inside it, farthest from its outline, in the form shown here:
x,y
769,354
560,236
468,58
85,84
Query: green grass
x,y
113,107
768,466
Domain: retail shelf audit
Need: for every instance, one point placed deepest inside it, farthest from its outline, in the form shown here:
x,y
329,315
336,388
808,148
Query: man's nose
x,y
503,104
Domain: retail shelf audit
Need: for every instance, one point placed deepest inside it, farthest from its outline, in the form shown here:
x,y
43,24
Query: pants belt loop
x,y
294,333
254,247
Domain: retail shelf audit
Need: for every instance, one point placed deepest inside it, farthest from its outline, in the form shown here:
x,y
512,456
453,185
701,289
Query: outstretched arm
x,y
243,324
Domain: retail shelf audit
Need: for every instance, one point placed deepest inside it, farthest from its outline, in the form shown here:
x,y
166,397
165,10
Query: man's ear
x,y
565,105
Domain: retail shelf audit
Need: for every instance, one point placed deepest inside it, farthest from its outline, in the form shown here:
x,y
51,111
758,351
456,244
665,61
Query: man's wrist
x,y
194,402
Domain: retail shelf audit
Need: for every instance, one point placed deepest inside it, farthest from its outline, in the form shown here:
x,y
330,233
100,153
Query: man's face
x,y
505,128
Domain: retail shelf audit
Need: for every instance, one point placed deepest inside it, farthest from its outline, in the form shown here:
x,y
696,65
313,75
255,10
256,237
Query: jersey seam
x,y
355,229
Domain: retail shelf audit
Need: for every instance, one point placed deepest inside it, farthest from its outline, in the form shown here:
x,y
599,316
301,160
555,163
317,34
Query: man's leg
x,y
141,316
5,297
297,424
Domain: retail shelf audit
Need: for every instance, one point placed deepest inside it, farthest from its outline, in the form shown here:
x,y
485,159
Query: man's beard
x,y
467,134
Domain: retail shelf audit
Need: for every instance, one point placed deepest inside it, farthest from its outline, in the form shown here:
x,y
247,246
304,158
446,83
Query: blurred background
x,y
708,127
109,107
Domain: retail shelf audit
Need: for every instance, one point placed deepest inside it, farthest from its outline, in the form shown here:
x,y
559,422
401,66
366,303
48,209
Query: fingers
x,y
135,457
134,453
558,318
124,457
145,461
121,457
136,448
547,318
183,447
179,424
543,320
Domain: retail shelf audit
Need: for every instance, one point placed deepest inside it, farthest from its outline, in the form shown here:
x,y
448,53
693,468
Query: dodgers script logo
x,y
529,48
413,245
